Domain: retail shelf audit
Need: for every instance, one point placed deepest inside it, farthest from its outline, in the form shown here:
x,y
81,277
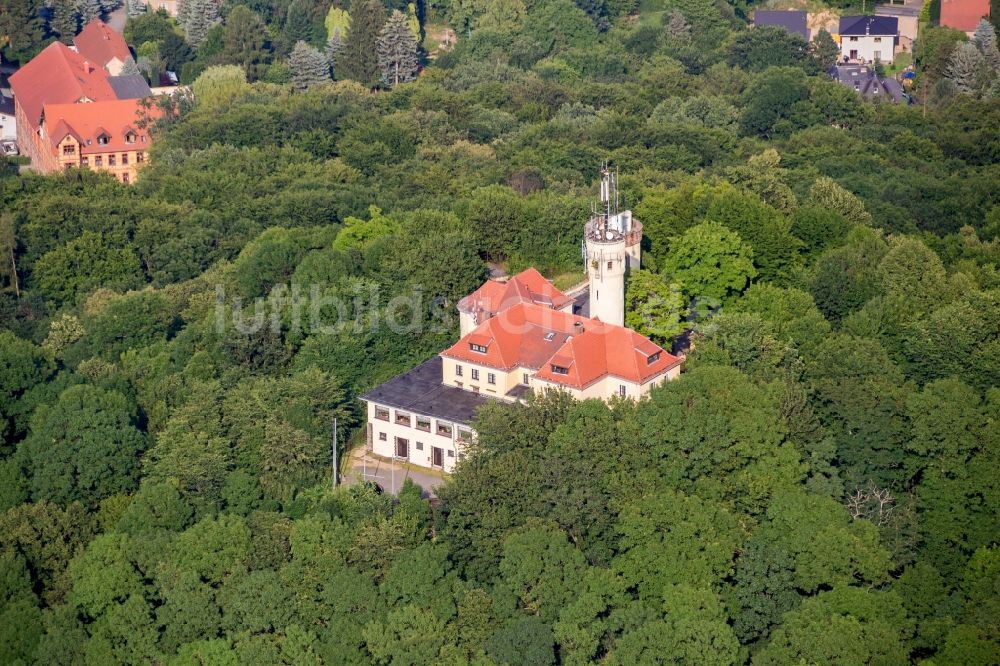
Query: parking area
x,y
390,475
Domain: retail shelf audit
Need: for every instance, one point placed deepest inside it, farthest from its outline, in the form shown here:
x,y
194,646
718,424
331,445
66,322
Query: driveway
x,y
388,474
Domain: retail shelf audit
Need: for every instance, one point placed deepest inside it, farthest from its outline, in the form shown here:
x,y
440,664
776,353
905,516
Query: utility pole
x,y
335,452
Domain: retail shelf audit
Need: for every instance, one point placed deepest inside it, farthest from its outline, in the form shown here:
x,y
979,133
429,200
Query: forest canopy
x,y
819,486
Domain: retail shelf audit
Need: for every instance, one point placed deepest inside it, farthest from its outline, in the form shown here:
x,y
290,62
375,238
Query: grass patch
x,y
564,281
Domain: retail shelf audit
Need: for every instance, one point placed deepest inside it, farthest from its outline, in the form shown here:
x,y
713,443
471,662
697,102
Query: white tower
x,y
612,239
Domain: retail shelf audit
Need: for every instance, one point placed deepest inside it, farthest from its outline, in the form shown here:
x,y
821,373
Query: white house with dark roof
x,y
868,38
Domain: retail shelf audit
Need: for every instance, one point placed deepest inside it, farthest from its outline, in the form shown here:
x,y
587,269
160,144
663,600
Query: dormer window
x,y
652,358
559,370
102,139
550,336
477,348
130,137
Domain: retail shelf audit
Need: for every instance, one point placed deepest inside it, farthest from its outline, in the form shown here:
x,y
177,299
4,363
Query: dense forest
x,y
819,487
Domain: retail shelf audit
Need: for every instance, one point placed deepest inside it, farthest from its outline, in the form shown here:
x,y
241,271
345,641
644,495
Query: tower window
x,y
609,265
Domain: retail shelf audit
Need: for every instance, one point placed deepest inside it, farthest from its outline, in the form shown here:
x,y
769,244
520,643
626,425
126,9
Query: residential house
x,y
868,38
868,84
59,78
102,46
519,336
104,137
964,15
795,22
57,75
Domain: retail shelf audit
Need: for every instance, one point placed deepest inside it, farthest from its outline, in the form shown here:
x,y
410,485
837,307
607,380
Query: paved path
x,y
389,475
116,19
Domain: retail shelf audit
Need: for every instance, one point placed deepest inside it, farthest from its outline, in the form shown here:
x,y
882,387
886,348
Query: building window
x,y
143,138
475,389
451,454
98,161
124,177
549,336
444,429
402,418
69,150
652,358
458,370
878,40
560,370
124,159
381,437
112,160
423,423
402,447
84,161
130,137
477,348
102,140
464,435
491,378
382,413
475,374
852,39
524,379
609,265
420,446
621,390
139,157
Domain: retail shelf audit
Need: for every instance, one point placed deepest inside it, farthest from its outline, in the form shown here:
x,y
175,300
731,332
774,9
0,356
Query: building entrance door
x,y
437,456
402,448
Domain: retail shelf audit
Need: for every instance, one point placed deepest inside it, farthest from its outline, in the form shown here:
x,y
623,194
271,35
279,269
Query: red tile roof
x,y
535,337
964,15
87,121
100,44
528,286
58,75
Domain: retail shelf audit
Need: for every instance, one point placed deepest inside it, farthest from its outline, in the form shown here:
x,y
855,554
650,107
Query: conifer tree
x,y
334,50
965,68
359,58
65,21
985,40
135,8
309,66
397,51
22,25
244,41
130,67
199,17
89,10
677,27
298,24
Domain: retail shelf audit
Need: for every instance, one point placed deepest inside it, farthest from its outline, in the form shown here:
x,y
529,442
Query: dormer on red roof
x,y
101,45
561,348
528,286
99,128
58,75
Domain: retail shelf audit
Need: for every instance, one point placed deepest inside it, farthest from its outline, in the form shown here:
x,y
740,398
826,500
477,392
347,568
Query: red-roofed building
x,y
964,15
530,346
522,335
101,45
57,75
528,286
104,136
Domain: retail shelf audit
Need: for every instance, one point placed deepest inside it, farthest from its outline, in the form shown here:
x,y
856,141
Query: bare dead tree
x,y
871,503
